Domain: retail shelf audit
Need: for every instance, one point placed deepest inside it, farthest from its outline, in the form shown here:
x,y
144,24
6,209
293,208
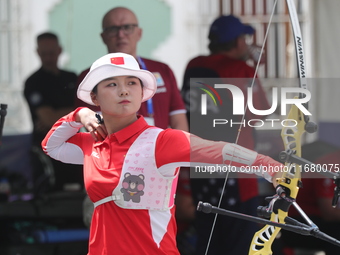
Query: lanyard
x,y
149,102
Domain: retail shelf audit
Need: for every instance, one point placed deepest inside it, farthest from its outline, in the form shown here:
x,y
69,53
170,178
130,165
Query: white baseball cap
x,y
112,65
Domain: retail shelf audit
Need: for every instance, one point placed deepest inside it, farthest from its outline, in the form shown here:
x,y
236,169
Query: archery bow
x,y
200,205
290,182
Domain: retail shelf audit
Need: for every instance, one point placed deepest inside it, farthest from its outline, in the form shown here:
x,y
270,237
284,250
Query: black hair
x,y
47,35
95,89
216,47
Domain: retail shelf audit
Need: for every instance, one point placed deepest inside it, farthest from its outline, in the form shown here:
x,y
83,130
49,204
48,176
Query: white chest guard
x,y
141,186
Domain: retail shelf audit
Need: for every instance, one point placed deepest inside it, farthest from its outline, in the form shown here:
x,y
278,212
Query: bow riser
x,y
264,238
289,184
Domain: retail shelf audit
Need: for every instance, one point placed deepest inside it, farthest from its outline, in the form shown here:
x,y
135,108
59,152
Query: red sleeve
x,y
172,146
63,142
176,98
176,102
179,146
68,120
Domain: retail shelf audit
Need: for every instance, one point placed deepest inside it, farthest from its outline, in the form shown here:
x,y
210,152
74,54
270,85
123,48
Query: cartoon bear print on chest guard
x,y
141,185
133,187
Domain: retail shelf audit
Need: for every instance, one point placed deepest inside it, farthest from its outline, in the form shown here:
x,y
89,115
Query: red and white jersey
x,y
115,230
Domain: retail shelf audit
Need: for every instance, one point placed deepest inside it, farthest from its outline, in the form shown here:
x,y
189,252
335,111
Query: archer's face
x,y
119,96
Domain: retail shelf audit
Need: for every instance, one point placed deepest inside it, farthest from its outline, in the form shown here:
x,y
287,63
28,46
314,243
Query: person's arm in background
x,y
177,114
47,116
39,101
324,190
179,121
328,213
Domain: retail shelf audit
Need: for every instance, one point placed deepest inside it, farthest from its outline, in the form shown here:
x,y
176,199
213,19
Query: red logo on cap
x,y
117,61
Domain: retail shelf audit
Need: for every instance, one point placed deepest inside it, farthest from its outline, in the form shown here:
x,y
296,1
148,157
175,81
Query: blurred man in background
x,y
50,95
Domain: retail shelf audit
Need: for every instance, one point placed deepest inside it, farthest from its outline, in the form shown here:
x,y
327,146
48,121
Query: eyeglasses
x,y
114,30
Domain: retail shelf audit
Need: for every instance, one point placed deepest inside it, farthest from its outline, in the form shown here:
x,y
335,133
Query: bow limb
x,y
290,181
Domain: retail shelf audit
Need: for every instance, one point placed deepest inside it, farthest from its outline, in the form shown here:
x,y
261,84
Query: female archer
x,y
131,168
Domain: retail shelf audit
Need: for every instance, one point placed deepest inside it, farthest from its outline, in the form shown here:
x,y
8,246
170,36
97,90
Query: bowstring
x,y
240,127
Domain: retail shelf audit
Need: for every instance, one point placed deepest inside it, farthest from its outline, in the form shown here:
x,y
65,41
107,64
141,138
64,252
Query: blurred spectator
x,y
228,54
50,95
